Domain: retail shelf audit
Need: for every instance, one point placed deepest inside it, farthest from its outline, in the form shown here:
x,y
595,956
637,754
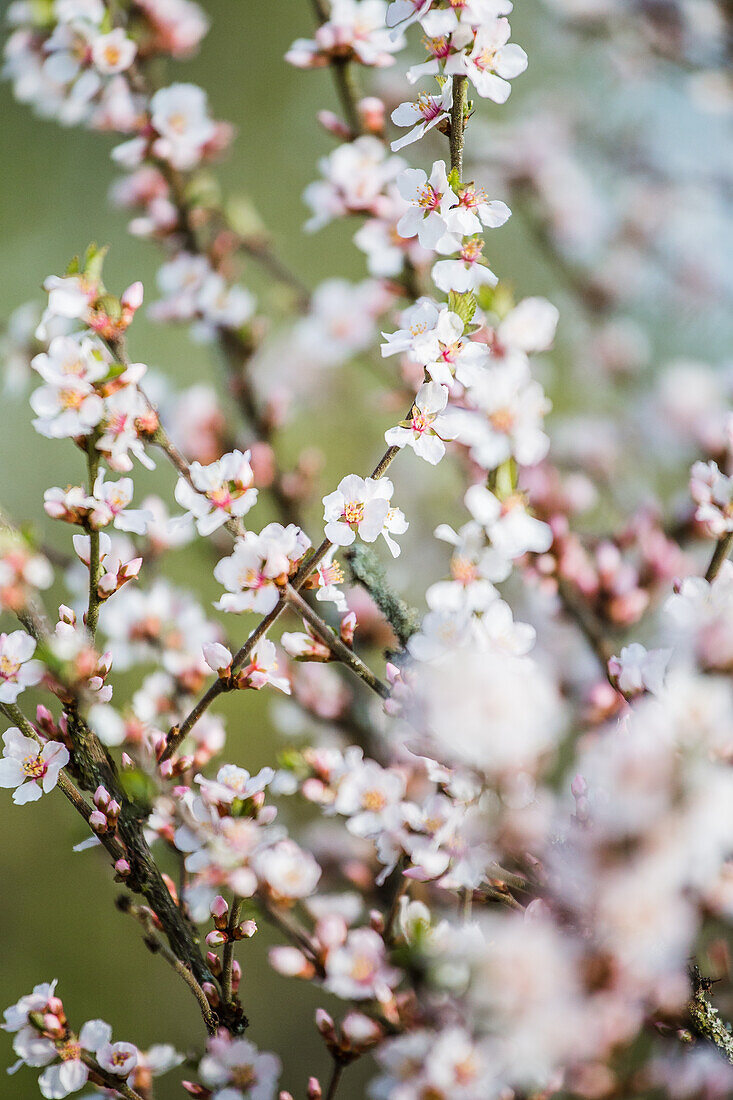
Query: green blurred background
x,y
56,913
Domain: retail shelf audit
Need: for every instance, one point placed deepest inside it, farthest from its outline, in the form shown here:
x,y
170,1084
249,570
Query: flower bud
x,y
219,909
347,628
132,298
217,937
314,1089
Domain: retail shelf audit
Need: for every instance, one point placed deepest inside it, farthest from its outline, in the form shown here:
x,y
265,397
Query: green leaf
x,y
454,179
110,305
463,304
94,261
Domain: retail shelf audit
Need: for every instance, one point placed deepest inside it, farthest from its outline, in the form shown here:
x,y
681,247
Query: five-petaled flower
x,y
358,505
33,770
426,428
17,670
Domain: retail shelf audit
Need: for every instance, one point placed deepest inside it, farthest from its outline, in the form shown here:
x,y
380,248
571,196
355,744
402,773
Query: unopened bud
x,y
347,628
219,908
371,110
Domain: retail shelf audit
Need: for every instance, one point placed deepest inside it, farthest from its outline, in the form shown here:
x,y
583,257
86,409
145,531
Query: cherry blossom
x,y
431,199
221,491
423,115
31,770
494,61
425,430
359,506
17,670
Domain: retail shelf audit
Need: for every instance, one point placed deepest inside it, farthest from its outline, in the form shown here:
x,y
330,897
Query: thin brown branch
x,y
341,651
227,962
720,554
157,947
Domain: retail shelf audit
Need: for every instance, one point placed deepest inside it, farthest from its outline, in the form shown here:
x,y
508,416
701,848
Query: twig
x,y
109,1080
177,733
341,651
721,552
156,946
458,123
590,627
705,1019
338,1069
65,785
94,563
228,953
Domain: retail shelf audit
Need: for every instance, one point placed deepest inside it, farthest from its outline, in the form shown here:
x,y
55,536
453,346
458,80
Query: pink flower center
x,y
438,47
9,668
463,571
421,422
502,420
243,1077
428,199
34,767
330,574
484,61
373,801
253,578
362,969
353,512
471,251
471,197
429,107
221,498
70,1052
70,399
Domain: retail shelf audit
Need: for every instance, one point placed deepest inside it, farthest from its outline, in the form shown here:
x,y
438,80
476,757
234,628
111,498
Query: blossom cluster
x,y
499,864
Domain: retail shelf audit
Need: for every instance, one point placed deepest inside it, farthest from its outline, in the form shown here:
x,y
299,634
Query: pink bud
x,y
246,930
212,994
127,761
236,976
98,821
101,797
325,1024
333,124
262,461
579,787
371,110
347,628
219,908
216,937
166,769
122,867
132,298
314,1089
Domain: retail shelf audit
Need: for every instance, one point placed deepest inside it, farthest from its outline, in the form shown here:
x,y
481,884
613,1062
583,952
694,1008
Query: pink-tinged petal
x,y
11,772
510,61
29,792
430,448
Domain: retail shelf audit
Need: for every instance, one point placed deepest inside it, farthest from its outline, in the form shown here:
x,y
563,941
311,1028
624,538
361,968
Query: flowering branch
x,y
156,947
342,652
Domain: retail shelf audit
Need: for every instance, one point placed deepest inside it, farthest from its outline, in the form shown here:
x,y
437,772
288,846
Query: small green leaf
x,y
454,179
93,262
463,304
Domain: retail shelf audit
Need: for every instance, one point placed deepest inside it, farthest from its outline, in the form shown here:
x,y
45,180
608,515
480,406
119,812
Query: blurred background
x,y
614,153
